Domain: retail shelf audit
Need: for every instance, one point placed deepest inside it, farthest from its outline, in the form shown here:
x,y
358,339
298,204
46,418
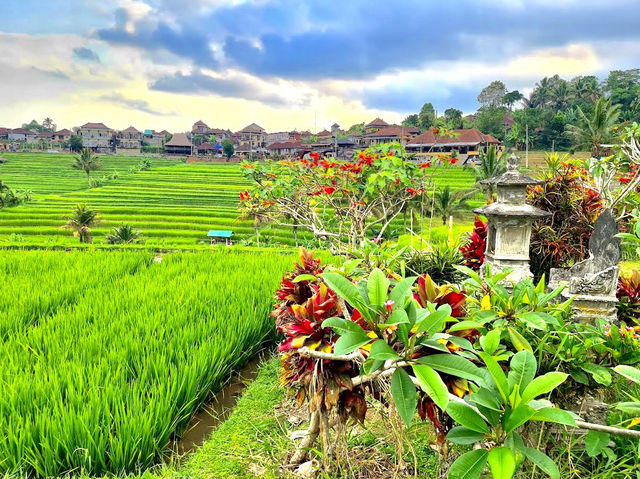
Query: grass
x,y
99,373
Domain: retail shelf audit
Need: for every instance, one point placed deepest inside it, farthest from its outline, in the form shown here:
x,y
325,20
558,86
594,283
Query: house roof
x,y
471,136
4,131
206,147
200,123
285,145
23,131
377,122
220,233
218,131
178,139
394,130
95,126
45,134
324,133
131,129
63,132
252,128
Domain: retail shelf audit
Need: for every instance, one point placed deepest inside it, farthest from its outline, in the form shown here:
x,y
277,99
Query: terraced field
x,y
174,204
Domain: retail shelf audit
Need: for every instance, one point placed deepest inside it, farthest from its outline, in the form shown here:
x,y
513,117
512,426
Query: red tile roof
x,y
285,145
131,129
394,130
206,147
324,133
252,128
377,122
471,136
22,131
200,123
178,139
63,132
95,126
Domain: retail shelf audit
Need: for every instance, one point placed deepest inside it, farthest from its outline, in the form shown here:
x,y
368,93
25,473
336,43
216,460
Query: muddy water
x,y
217,410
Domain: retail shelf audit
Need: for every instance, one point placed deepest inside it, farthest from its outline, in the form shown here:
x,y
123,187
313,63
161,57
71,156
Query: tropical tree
x,y
511,98
448,203
258,218
490,165
75,143
228,149
81,221
492,96
87,163
124,234
591,132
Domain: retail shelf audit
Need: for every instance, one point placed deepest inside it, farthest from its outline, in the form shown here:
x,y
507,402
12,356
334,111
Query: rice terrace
x,y
305,240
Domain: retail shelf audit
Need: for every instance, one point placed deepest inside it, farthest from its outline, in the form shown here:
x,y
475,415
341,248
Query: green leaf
x,y
397,317
463,414
544,462
349,342
304,277
600,374
523,369
629,407
497,374
470,465
552,414
434,322
491,341
484,397
378,285
404,395
542,385
463,435
342,287
518,341
463,325
534,320
381,350
431,383
595,442
342,326
502,463
454,365
627,371
517,418
400,291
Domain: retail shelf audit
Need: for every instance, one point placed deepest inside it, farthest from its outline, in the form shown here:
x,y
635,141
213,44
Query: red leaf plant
x,y
473,250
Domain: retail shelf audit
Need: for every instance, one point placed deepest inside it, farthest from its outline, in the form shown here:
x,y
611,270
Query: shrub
x,y
124,234
628,295
473,250
568,193
439,263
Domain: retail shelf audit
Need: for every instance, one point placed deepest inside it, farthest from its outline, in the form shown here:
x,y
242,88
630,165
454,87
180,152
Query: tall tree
x,y
453,117
490,165
492,96
227,148
48,125
511,98
75,143
623,86
427,116
448,203
411,120
591,132
86,162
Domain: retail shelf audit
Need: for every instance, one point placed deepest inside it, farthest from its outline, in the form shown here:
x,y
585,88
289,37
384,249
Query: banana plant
x,y
491,416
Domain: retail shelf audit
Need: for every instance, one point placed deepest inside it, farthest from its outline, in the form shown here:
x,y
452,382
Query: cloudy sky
x,y
291,63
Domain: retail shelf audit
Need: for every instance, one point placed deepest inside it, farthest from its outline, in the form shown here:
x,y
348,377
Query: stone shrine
x,y
509,222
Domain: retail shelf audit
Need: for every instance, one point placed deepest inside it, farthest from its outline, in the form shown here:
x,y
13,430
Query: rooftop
x,y
178,139
469,137
378,122
394,130
95,126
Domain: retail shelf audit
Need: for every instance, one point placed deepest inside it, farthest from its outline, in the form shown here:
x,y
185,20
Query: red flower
x,y
624,179
397,181
435,130
453,161
329,189
426,164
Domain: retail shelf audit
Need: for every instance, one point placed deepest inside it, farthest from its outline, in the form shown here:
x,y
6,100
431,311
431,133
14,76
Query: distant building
x,y
154,138
179,144
4,133
375,125
130,139
280,137
201,128
324,135
206,149
335,128
96,136
63,135
285,148
465,142
389,134
21,134
253,135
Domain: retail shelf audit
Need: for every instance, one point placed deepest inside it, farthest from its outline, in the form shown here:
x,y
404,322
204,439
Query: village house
x,y
130,140
219,134
253,135
324,135
21,134
466,143
285,148
4,133
96,136
279,137
200,128
375,125
179,144
62,136
206,149
154,138
393,133
335,129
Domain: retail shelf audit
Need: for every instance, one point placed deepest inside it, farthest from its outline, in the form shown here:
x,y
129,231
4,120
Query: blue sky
x,y
292,63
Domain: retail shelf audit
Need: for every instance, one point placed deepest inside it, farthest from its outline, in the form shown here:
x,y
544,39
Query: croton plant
x,y
349,340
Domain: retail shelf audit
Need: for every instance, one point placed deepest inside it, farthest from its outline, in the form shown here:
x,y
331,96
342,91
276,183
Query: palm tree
x,y
258,219
87,163
447,203
590,133
124,234
81,221
491,165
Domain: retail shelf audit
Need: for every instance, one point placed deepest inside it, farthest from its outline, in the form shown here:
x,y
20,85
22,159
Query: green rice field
x,y
173,204
106,355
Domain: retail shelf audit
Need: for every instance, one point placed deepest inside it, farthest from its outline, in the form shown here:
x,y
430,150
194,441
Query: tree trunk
x,y
295,234
257,237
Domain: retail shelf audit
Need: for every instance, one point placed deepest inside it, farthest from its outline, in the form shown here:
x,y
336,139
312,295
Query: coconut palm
x,y
124,234
81,221
87,163
490,165
590,133
448,203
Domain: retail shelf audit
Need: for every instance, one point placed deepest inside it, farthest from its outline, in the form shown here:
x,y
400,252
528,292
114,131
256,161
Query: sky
x,y
285,64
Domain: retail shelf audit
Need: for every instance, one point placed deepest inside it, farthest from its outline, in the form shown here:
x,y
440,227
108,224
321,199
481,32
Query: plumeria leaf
x,y
470,465
465,415
502,463
463,435
431,383
378,285
404,395
381,350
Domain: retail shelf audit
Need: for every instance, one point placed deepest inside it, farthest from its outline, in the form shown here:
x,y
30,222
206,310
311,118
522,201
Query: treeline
x,y
553,113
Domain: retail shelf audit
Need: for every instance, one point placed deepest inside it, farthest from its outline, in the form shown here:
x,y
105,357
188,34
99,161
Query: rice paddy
x,y
106,355
173,204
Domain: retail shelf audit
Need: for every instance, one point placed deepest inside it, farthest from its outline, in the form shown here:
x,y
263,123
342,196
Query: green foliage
x,y
439,262
9,197
448,203
124,234
86,162
81,222
75,143
493,95
227,148
590,132
490,164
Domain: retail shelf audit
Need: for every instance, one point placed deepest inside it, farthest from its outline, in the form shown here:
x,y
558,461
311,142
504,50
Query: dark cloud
x,y
183,40
409,98
199,83
84,53
140,105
